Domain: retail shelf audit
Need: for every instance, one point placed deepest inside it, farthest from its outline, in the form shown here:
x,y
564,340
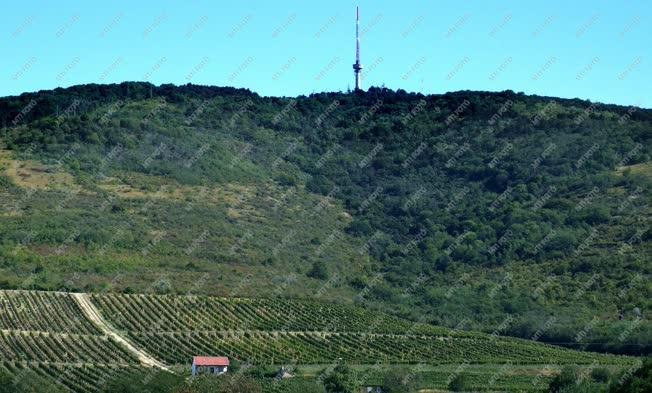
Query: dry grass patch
x,y
643,169
35,175
137,186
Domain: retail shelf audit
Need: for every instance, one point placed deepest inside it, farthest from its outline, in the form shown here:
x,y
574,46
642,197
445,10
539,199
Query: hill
x,y
82,342
485,211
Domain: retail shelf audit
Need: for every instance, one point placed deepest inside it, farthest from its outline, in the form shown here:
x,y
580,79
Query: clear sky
x,y
598,50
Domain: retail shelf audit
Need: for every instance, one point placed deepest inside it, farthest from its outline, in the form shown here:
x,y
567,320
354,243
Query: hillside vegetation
x,y
520,215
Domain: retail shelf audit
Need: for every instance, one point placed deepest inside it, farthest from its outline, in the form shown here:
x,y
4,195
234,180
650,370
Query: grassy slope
x,y
150,225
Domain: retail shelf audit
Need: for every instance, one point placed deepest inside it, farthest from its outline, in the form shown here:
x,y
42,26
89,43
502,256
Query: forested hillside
x,y
513,214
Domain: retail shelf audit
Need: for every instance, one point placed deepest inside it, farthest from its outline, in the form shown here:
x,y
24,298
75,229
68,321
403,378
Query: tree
x,y
341,380
318,271
564,380
639,382
400,380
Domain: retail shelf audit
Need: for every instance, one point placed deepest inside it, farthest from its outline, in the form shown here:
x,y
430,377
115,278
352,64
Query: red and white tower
x,y
357,67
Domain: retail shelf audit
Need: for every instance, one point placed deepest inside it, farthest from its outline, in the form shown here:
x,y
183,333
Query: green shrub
x,y
600,374
459,383
400,380
340,380
640,381
564,380
319,270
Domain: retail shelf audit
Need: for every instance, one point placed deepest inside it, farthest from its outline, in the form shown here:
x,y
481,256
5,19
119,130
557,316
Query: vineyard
x,y
154,313
51,335
46,334
73,377
174,328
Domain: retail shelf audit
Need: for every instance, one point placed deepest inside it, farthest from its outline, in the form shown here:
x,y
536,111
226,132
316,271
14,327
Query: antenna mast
x,y
357,67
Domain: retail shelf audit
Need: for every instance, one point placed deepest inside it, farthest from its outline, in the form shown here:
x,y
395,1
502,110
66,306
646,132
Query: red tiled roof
x,y
210,361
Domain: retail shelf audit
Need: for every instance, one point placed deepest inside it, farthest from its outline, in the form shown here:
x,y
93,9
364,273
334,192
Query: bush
x,y
341,380
600,374
6,182
286,180
318,271
127,123
295,385
639,382
566,379
400,381
459,383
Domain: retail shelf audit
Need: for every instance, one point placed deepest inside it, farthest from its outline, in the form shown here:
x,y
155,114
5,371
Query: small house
x,y
209,365
284,372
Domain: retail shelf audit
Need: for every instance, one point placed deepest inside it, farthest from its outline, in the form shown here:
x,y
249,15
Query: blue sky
x,y
597,50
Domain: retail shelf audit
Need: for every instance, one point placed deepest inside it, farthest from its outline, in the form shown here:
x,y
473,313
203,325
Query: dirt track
x,y
93,314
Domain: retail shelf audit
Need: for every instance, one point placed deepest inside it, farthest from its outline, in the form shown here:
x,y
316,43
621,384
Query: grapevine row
x,y
42,311
145,313
53,347
262,347
77,378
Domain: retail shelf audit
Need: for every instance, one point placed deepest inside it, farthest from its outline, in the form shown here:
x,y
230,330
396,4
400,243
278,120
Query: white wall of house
x,y
196,370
